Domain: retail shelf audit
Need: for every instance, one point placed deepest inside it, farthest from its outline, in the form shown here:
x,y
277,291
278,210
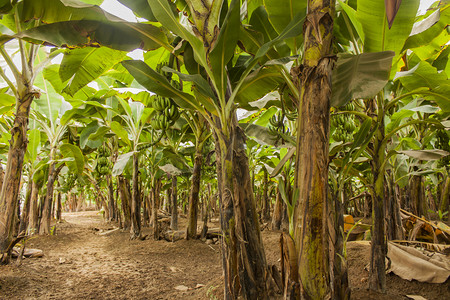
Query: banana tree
x,y
129,130
15,17
201,133
24,93
399,37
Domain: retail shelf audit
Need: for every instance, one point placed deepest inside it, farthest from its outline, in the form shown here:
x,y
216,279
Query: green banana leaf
x,y
257,85
377,35
434,154
429,29
122,162
282,12
360,76
428,81
155,82
118,129
81,66
125,36
71,151
224,48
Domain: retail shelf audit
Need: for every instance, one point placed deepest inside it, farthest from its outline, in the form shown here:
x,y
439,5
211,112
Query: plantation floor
x,y
80,264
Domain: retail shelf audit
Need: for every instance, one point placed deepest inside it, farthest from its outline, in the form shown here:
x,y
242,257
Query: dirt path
x,y
80,264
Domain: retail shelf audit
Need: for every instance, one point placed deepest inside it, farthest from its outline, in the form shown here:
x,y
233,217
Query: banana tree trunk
x,y
394,223
111,204
58,208
124,192
445,197
26,208
135,230
244,260
338,262
311,232
173,198
193,195
377,274
265,198
155,205
277,212
9,195
47,208
33,215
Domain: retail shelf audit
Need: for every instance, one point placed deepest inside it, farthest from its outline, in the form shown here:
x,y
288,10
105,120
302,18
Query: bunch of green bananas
x,y
160,103
167,113
160,71
276,125
103,164
344,124
277,120
70,181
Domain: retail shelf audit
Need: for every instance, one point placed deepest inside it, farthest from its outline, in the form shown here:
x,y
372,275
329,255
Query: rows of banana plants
x,y
293,107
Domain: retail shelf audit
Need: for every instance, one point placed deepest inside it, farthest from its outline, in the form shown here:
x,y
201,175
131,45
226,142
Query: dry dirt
x,y
80,264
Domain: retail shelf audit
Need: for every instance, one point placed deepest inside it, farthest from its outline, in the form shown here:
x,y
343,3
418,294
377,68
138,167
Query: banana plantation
x,y
241,149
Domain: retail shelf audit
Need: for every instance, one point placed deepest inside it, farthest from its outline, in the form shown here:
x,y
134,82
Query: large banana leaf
x,y
164,14
435,85
258,84
34,141
140,8
51,11
125,36
50,102
377,35
81,66
123,161
282,12
87,132
428,29
360,76
155,82
76,164
434,154
224,48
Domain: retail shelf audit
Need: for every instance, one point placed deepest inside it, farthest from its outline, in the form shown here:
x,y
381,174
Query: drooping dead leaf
x,y
409,263
392,7
421,229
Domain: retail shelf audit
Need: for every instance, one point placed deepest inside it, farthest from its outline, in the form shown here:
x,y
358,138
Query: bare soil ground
x,y
80,264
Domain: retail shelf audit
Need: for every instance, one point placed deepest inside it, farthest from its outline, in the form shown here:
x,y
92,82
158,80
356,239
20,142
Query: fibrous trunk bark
x,y
125,197
33,214
173,196
417,196
44,228
26,208
135,230
244,260
265,198
58,208
377,274
445,197
111,204
9,195
155,205
394,222
311,230
277,212
193,195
